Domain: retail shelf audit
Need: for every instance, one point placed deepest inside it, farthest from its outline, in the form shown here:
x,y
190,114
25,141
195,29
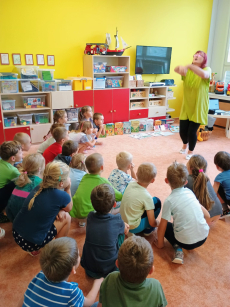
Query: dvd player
x,y
154,84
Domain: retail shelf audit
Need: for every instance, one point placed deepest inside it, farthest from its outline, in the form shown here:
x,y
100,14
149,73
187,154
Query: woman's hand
x,y
181,70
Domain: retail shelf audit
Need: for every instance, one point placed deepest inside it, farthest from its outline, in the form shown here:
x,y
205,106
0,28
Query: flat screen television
x,y
153,60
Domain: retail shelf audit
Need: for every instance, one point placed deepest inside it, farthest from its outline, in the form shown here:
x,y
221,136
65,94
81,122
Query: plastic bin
x,y
81,83
40,76
114,82
99,83
72,114
27,72
8,75
34,101
29,86
10,121
25,119
48,86
9,86
116,68
99,67
64,85
41,118
8,104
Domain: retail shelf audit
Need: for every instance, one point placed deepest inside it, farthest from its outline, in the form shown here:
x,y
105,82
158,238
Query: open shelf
x,y
138,108
25,110
24,93
138,98
33,125
158,96
110,73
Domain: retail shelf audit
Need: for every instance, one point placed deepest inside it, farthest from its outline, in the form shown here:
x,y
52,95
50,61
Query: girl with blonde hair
x,y
77,171
44,214
31,171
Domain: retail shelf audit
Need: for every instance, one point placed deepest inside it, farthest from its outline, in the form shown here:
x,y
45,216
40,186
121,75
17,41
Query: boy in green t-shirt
x,y
10,153
130,287
82,205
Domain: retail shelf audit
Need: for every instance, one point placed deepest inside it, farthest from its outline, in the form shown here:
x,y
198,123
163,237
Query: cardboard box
x,y
118,128
109,129
132,83
135,126
140,83
137,104
126,127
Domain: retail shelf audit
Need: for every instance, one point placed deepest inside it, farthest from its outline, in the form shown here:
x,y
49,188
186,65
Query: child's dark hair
x,y
177,174
58,114
135,259
93,163
97,116
222,159
85,126
69,147
9,149
58,258
103,198
59,133
82,112
198,167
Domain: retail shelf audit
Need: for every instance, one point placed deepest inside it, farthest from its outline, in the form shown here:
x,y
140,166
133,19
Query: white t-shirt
x,y
135,201
45,145
79,137
189,224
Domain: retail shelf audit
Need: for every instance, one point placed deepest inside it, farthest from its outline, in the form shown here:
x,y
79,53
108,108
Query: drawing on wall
x,y
40,59
50,60
5,59
29,59
16,58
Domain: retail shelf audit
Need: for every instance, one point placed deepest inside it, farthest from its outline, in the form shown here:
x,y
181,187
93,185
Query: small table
x,y
227,128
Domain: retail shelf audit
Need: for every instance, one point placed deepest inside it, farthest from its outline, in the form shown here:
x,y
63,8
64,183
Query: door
x,y
2,138
103,103
83,98
38,132
120,105
10,132
62,100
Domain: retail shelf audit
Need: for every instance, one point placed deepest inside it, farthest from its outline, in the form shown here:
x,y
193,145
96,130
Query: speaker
x,y
168,82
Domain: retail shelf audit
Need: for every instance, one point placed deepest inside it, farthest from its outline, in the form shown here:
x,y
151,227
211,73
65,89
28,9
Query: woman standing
x,y
194,110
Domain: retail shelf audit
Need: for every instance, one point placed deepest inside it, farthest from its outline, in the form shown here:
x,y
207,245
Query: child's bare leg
x,y
98,143
82,148
63,226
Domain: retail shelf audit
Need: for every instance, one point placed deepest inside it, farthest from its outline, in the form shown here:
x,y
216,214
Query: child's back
x,y
77,171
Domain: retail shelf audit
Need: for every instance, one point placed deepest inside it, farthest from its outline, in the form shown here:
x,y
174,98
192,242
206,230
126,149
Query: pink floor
x,y
203,280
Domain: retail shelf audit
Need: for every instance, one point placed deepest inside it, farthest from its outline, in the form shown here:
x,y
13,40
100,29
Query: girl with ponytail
x,y
44,214
31,172
200,184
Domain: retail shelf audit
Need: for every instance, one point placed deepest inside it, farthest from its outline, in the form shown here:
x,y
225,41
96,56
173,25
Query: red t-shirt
x,y
51,152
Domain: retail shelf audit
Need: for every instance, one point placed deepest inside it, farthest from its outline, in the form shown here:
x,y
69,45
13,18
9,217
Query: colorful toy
x,y
219,88
126,127
119,128
96,48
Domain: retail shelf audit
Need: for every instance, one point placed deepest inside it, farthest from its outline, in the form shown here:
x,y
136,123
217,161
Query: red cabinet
x,y
120,105
2,138
10,132
135,114
83,98
103,103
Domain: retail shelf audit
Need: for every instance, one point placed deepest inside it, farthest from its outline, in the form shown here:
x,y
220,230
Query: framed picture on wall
x,y
5,58
16,58
50,60
40,59
29,59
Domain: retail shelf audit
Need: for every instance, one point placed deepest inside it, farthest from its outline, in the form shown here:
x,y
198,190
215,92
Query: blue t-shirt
x,y
119,180
101,243
42,292
224,179
33,225
75,176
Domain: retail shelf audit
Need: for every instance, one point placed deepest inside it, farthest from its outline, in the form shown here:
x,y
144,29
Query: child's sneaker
x,y
81,224
4,218
179,255
34,253
148,231
183,151
226,213
2,233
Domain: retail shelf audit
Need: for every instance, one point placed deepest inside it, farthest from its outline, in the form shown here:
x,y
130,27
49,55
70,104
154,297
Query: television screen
x,y
153,60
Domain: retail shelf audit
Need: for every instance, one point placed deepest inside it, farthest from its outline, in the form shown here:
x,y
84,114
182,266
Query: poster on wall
x,y
5,58
16,58
29,59
50,60
40,59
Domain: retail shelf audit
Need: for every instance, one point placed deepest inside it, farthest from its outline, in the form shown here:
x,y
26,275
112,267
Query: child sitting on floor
x,y
189,229
36,224
130,287
86,114
50,287
77,171
31,171
199,183
42,147
100,251
222,181
60,135
69,149
137,205
82,205
98,120
24,140
10,152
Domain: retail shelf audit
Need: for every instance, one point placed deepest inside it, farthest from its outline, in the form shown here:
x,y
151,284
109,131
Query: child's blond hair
x,y
78,162
146,172
59,133
177,174
54,173
123,159
22,138
58,114
85,126
30,166
93,163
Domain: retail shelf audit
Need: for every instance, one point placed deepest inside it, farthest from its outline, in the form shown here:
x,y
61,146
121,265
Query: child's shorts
x,y
31,247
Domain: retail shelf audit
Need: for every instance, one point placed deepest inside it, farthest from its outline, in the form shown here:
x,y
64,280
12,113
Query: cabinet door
x,y
10,132
38,132
103,103
2,138
83,98
120,105
135,114
62,100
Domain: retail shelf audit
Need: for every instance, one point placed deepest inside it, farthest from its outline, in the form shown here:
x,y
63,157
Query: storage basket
x,y
140,83
206,135
132,83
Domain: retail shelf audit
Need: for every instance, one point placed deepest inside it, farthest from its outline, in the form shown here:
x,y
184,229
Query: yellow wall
x,y
63,27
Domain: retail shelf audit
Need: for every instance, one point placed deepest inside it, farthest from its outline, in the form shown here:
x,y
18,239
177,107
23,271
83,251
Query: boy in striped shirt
x,y
50,287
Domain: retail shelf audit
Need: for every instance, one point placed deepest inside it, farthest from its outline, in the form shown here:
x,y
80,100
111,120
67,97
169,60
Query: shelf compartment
x,y
25,110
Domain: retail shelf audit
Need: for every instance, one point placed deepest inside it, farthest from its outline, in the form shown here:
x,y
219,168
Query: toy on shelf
x,y
116,51
228,89
96,48
212,83
219,88
109,129
126,127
